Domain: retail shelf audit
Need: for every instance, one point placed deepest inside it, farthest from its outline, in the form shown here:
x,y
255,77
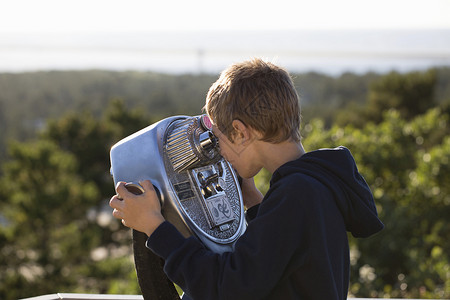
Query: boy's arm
x,y
200,272
251,271
251,195
252,198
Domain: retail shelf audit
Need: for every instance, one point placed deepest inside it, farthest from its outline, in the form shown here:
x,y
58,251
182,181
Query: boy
x,y
295,246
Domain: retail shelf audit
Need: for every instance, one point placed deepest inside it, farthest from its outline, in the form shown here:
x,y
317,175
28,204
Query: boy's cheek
x,y
224,155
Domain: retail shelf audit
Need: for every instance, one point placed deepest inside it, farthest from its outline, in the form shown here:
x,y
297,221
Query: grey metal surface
x,y
199,190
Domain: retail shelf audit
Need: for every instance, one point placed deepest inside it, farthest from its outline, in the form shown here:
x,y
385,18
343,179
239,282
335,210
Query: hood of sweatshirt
x,y
337,170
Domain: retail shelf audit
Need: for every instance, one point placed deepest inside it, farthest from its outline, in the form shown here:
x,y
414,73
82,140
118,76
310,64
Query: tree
x,y
46,207
3,125
411,94
428,206
53,198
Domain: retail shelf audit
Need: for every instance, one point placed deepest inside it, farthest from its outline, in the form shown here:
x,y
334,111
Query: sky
x,y
209,15
186,35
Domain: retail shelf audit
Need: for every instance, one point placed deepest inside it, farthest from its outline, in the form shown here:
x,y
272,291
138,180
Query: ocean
x,y
332,52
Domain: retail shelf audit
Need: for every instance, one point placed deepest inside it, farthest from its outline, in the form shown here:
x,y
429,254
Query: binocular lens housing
x,y
198,189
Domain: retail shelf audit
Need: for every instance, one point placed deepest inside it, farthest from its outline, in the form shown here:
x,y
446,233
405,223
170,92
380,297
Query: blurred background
x,y
78,76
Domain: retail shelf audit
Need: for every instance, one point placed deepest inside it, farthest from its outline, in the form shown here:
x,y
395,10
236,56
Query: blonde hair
x,y
259,94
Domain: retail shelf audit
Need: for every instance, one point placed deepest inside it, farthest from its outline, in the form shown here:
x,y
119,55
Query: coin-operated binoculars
x,y
198,189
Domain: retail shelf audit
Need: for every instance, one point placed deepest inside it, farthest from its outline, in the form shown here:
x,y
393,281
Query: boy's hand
x,y
140,212
252,196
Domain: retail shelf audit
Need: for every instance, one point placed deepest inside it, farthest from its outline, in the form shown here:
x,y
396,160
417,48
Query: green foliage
x,y
54,191
321,96
28,100
56,232
46,204
411,94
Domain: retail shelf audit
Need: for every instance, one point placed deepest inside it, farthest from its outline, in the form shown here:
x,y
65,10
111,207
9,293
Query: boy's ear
x,y
242,133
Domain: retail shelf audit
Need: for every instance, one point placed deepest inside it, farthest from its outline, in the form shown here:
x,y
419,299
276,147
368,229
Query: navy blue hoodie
x,y
296,247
